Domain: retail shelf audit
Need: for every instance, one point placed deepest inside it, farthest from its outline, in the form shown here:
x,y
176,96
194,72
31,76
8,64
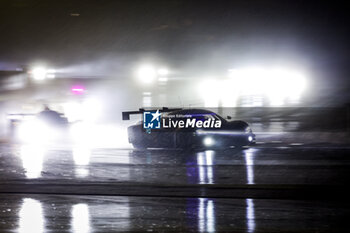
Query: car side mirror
x,y
229,117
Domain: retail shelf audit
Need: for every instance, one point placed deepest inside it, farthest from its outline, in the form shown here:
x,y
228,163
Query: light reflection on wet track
x,y
260,165
249,166
81,214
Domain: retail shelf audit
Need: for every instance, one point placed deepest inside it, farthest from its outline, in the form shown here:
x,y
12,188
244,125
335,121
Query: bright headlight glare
x,y
92,135
35,131
163,71
80,133
146,73
208,141
39,73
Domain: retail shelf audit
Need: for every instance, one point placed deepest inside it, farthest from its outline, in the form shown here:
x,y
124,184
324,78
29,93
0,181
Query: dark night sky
x,y
182,32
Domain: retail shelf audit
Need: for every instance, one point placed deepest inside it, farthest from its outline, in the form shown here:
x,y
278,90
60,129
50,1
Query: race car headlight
x,y
208,141
34,131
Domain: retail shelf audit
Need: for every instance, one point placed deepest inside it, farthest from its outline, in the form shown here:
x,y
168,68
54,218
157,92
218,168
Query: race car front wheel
x,y
139,146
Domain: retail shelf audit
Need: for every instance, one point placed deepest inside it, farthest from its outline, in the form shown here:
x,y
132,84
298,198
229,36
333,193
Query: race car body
x,y
191,128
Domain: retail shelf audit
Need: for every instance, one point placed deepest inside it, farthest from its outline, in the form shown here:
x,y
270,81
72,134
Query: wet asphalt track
x,y
274,188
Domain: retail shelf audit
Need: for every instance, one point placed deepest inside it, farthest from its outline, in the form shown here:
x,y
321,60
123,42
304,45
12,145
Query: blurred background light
x,y
78,90
146,74
39,73
163,71
253,87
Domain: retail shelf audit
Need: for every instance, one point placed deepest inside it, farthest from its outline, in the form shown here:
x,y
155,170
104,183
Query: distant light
x,y
39,73
51,76
77,90
146,74
280,85
51,71
211,91
75,14
163,71
162,79
147,93
250,138
208,141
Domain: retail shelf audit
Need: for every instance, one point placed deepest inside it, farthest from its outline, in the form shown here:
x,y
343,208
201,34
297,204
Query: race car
x,y
184,128
46,126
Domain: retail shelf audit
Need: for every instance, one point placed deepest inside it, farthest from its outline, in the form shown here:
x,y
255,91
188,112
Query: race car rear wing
x,y
126,115
20,116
